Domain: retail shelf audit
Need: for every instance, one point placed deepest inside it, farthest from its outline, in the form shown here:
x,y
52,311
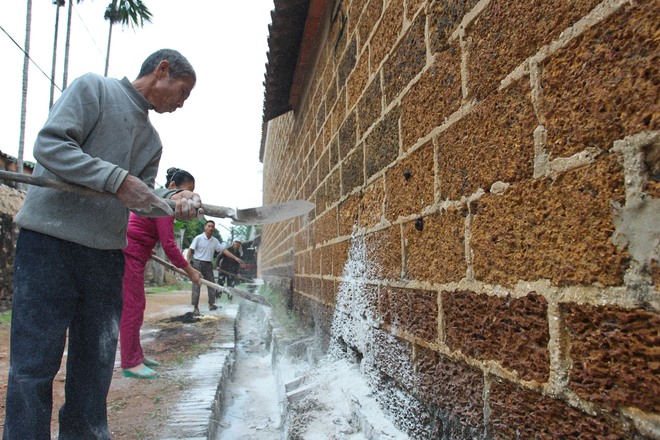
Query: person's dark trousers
x,y
60,286
206,269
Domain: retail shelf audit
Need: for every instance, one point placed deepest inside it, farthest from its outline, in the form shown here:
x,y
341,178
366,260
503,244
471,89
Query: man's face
x,y
208,229
170,93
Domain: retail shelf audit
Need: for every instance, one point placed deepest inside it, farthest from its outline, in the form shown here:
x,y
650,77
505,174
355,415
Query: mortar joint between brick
x,y
468,19
559,351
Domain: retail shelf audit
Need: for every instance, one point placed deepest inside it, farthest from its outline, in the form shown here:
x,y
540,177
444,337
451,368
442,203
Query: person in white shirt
x,y
203,247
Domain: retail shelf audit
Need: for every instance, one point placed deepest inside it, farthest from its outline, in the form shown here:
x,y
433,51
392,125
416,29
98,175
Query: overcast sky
x,y
215,136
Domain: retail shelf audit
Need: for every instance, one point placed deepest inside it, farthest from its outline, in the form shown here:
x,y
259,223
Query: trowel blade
x,y
278,212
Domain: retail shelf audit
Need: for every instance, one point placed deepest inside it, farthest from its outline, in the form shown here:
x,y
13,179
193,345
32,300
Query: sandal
x,y
150,362
145,373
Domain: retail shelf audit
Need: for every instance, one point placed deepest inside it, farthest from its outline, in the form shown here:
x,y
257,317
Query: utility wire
x,y
91,37
33,62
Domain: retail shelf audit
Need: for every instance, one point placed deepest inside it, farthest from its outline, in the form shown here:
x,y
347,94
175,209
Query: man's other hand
x,y
188,205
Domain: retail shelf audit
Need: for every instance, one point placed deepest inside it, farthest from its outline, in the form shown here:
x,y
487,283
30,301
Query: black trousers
x,y
61,287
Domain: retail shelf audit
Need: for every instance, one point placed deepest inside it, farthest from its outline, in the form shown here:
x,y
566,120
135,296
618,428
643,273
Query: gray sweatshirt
x,y
96,133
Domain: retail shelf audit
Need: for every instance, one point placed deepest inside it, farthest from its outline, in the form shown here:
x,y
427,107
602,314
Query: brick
x,y
326,226
495,142
339,257
414,311
506,33
322,317
331,92
371,206
415,419
606,80
389,28
518,413
392,357
412,7
315,290
615,354
321,199
434,97
320,116
314,262
366,305
324,161
651,155
357,81
542,229
334,152
368,20
383,250
370,106
512,331
347,63
453,386
328,292
382,143
444,18
349,214
436,254
347,137
352,171
407,60
333,187
410,195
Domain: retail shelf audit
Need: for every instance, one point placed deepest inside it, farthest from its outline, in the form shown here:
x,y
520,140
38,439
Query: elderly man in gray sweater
x,y
69,262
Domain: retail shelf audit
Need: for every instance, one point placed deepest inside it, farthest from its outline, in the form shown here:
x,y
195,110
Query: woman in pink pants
x,y
143,234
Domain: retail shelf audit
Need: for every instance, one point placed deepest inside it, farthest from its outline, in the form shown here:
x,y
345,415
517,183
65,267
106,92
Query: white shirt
x,y
204,248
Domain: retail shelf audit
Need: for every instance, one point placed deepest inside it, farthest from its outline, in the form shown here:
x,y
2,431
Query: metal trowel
x,y
260,215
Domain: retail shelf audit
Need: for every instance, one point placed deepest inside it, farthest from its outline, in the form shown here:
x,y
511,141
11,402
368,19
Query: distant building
x,y
10,163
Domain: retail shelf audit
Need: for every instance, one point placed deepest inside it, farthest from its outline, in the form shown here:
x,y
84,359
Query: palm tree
x,y
65,74
58,4
126,12
26,65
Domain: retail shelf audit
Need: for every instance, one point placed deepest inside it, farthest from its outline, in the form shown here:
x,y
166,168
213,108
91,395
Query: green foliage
x,y
128,12
5,318
192,228
286,318
244,232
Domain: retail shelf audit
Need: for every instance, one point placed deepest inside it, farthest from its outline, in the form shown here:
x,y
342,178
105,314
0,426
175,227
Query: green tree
x,y
126,12
245,232
191,228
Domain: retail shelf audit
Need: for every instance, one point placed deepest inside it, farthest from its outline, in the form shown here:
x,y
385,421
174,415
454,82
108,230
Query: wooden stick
x,y
212,210
246,295
235,275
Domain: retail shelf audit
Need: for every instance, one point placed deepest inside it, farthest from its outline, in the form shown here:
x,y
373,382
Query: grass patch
x,y
5,317
167,288
286,318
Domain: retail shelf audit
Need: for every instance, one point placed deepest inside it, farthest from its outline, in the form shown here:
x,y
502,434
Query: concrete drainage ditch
x,y
266,385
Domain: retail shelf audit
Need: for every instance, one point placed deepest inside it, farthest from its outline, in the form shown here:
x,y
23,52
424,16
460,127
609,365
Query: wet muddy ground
x,y
140,409
219,367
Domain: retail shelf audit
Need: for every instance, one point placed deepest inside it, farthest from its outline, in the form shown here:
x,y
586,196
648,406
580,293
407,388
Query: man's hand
x,y
135,194
188,205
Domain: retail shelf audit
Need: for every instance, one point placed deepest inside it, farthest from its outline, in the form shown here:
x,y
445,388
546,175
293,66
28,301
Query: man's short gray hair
x,y
179,65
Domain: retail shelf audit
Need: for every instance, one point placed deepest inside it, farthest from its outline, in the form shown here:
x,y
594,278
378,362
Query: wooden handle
x,y
211,210
247,295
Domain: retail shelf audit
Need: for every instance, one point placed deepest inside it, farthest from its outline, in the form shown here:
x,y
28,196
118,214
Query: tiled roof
x,y
284,41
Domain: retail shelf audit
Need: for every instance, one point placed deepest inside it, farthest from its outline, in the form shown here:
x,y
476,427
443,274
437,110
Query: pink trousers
x,y
136,257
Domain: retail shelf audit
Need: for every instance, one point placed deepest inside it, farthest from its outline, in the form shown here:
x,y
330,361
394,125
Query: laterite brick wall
x,y
485,239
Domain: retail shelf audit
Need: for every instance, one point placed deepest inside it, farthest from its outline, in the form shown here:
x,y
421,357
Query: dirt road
x,y
138,409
